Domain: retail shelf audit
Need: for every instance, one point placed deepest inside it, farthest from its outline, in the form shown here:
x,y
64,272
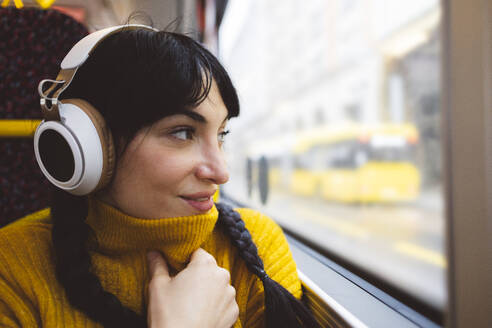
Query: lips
x,y
202,202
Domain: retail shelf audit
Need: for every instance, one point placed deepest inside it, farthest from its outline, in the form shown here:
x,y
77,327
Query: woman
x,y
166,102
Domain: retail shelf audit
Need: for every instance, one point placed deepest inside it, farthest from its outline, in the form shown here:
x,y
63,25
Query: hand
x,y
198,296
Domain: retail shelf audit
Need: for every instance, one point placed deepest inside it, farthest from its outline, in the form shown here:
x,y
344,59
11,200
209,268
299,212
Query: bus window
x,y
341,98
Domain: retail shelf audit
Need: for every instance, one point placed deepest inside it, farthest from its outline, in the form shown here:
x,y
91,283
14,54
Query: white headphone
x,y
73,146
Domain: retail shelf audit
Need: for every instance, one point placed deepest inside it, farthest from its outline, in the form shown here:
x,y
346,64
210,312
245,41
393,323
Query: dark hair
x,y
134,78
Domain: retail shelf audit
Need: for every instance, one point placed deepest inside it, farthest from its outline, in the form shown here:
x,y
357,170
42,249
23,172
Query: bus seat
x,y
36,41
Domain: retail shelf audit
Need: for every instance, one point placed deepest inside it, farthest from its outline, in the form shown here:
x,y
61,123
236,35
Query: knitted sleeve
x,y
15,311
277,258
18,247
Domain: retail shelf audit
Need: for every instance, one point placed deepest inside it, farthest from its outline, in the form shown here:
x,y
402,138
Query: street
x,y
403,244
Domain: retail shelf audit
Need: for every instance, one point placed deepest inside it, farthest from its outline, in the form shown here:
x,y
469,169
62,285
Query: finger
x,y
157,265
202,255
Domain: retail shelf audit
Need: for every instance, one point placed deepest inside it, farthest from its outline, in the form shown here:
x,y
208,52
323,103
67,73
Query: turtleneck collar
x,y
176,237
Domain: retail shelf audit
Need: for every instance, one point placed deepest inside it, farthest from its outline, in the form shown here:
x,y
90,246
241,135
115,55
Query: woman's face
x,y
174,167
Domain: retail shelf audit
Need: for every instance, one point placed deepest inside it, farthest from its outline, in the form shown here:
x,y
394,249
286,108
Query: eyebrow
x,y
198,117
195,116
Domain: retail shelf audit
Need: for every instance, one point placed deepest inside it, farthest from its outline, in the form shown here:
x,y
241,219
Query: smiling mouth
x,y
202,204
201,199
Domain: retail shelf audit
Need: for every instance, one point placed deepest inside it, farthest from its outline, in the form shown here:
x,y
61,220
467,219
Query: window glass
x,y
339,135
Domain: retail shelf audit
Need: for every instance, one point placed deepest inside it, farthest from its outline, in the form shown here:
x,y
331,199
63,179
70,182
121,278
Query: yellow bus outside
x,y
318,162
353,163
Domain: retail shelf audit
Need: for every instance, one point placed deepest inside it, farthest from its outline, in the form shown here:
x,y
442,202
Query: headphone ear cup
x,y
105,137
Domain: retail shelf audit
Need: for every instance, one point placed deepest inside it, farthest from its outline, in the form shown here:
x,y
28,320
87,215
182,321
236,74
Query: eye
x,y
222,136
183,133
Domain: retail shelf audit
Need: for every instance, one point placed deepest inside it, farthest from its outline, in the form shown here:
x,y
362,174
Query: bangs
x,y
181,74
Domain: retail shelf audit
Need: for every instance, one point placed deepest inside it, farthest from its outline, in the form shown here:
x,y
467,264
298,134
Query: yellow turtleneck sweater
x,y
30,295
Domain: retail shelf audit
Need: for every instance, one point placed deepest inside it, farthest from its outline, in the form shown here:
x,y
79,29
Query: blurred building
x,y
301,64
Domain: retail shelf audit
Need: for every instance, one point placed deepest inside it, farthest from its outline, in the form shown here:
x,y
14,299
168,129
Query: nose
x,y
213,166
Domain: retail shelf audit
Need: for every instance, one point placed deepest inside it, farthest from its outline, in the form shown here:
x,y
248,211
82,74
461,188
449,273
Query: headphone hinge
x,y
49,105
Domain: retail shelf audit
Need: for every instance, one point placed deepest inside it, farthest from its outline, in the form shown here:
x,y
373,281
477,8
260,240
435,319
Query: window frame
x,y
467,134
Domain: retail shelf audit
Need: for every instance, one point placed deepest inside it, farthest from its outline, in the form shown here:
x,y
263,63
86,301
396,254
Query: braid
x,y
73,265
282,308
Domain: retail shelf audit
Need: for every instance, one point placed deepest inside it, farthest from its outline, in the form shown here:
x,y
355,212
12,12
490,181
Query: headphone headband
x,y
82,49
69,65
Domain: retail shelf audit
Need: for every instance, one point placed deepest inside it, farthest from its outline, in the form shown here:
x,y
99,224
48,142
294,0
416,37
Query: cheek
x,y
159,169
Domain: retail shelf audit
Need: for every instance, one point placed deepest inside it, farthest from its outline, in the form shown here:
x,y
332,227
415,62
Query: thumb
x,y
157,265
